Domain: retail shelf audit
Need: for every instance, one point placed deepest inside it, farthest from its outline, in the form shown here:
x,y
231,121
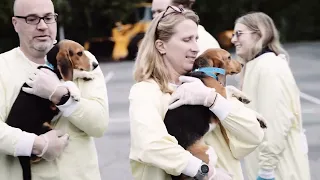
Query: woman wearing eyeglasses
x,y
270,84
167,52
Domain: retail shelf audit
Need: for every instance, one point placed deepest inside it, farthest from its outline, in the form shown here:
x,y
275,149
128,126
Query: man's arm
x,y
91,113
13,141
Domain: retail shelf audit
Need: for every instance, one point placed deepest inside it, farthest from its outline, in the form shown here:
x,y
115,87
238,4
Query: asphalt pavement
x,y
113,148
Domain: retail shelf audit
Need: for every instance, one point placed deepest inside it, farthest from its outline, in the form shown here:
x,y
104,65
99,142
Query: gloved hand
x,y
192,92
53,143
260,178
232,91
43,83
218,174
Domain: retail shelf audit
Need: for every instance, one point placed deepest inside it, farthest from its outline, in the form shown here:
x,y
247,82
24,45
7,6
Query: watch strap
x,y
64,99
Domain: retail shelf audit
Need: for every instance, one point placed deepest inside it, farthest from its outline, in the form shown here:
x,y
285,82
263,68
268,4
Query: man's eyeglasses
x,y
239,33
34,20
172,9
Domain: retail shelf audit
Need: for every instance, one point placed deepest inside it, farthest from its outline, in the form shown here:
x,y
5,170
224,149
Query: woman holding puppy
x,y
166,53
271,86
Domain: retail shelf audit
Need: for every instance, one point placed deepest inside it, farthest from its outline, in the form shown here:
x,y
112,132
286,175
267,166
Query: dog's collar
x,y
210,71
49,65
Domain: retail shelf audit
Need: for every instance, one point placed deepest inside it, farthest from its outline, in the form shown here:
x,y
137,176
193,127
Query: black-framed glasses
x,y
34,20
239,33
174,10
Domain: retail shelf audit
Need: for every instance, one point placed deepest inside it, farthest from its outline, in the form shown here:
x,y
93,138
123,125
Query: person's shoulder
x,y
8,54
145,88
146,85
8,57
206,40
270,63
202,30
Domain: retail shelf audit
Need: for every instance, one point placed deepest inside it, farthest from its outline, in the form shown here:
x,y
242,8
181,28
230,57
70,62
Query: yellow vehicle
x,y
126,37
224,39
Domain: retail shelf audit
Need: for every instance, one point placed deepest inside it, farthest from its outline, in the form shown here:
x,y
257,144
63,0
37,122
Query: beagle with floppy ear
x,y
189,123
34,114
69,61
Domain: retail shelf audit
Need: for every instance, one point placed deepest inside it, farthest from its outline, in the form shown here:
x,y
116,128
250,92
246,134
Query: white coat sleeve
x,y
91,113
242,128
273,103
13,141
150,142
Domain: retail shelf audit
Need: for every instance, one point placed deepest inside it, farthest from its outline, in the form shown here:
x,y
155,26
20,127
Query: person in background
x,y
270,84
159,6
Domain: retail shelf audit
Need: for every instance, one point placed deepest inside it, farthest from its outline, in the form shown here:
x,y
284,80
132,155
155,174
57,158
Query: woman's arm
x,y
150,141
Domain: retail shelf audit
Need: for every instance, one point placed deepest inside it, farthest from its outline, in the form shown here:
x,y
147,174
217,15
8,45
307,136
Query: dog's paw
x,y
75,96
234,92
243,100
85,75
73,89
261,120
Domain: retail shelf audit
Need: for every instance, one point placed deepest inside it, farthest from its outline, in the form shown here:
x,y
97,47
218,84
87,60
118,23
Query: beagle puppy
x,y
189,123
33,114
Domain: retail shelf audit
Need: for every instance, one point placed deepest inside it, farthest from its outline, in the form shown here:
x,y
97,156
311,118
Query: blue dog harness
x,y
49,64
210,71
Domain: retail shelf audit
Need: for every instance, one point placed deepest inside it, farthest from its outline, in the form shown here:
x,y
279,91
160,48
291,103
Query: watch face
x,y
204,168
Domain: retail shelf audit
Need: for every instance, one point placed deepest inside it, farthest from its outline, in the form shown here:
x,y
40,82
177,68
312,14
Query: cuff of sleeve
x,y
69,107
266,174
192,167
221,107
25,144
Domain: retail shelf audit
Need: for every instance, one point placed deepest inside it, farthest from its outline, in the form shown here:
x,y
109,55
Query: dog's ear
x,y
217,62
52,56
65,66
200,62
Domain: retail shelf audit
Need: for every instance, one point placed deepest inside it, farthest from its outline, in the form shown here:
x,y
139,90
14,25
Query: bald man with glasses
x,y
68,152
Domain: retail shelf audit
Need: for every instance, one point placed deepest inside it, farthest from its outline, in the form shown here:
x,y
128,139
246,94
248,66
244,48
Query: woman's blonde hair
x,y
264,26
149,63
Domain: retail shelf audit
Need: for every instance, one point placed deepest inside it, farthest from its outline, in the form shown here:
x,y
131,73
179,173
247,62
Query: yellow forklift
x,y
126,37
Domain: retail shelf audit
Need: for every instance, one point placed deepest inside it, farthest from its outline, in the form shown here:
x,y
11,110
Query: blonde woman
x,y
167,52
269,82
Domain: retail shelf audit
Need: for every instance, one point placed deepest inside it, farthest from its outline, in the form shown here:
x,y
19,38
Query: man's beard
x,y
43,46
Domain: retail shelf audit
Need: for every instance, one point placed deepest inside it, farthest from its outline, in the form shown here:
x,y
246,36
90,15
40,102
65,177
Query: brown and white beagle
x,y
189,123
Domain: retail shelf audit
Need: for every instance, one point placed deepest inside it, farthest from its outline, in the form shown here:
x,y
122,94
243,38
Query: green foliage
x,y
295,19
82,19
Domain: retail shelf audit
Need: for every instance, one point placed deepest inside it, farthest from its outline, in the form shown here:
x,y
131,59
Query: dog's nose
x,y
242,65
95,64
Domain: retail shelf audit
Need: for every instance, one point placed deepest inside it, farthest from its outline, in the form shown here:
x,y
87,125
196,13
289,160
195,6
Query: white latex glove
x,y
54,143
192,92
218,174
43,83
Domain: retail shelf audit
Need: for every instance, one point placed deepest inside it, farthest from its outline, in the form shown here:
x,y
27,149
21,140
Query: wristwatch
x,y
202,172
64,99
